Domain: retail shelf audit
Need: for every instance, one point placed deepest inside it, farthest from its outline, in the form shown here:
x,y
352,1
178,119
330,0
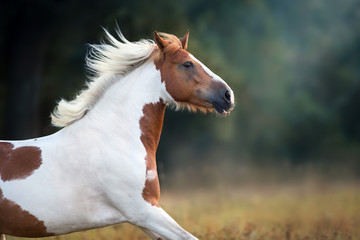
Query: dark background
x,y
294,68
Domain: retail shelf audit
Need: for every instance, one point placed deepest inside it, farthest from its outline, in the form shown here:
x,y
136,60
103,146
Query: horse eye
x,y
188,64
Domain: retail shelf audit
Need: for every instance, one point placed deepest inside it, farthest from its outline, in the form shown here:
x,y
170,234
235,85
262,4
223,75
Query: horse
x,y
100,168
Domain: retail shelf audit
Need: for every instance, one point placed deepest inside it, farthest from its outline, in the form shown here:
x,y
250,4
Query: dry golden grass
x,y
294,212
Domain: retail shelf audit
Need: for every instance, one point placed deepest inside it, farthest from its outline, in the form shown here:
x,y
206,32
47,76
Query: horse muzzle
x,y
223,101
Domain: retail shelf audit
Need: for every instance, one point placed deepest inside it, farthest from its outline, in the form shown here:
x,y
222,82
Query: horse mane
x,y
108,62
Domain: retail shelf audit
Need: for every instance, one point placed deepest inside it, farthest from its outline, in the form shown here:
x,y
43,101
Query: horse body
x,y
97,171
62,193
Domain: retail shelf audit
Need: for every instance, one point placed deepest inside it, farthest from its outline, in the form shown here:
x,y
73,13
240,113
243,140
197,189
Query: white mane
x,y
105,61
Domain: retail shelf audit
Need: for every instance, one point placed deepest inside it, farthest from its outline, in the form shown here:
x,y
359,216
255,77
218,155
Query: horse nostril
x,y
227,96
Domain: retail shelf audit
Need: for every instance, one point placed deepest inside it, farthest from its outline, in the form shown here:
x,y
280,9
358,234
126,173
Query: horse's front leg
x,y
151,234
157,222
2,237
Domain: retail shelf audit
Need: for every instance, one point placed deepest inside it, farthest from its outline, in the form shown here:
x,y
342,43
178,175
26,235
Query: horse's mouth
x,y
222,110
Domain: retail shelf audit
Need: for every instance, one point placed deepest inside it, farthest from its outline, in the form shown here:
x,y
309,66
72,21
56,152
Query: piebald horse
x,y
100,168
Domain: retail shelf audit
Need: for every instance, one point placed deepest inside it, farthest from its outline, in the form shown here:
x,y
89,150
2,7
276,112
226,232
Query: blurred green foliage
x,y
294,68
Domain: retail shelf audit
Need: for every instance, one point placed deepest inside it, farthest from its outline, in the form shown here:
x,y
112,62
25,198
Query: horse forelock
x,y
171,48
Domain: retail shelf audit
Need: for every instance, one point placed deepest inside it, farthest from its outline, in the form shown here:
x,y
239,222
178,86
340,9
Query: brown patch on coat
x,y
18,163
15,221
150,126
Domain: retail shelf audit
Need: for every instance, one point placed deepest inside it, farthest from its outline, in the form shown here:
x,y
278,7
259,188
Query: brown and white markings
x,y
100,168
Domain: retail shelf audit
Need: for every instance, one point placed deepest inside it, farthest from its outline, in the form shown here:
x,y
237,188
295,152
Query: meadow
x,y
294,211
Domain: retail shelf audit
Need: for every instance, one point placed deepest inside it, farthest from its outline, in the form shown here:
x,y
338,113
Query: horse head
x,y
189,82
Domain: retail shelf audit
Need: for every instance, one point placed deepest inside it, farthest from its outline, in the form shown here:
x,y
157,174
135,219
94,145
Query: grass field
x,y
272,212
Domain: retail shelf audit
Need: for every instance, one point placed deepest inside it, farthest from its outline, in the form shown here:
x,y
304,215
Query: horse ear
x,y
184,40
162,43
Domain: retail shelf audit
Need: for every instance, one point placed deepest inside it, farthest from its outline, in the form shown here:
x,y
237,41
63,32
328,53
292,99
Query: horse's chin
x,y
221,110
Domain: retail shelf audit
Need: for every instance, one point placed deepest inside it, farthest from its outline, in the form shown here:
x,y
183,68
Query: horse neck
x,y
131,109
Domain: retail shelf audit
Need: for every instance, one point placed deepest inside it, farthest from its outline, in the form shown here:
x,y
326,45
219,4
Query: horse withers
x,y
100,168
